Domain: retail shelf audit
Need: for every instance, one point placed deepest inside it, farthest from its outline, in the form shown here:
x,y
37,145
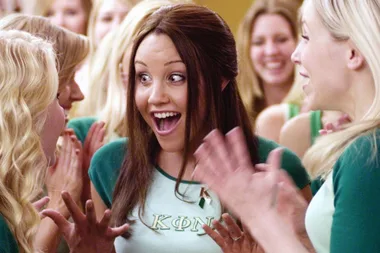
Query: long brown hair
x,y
207,48
248,81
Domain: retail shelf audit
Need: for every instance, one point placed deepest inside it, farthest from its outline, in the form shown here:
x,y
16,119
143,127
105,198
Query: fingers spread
x,y
118,231
61,222
90,213
204,171
215,236
233,228
104,223
238,148
39,204
77,215
274,159
223,231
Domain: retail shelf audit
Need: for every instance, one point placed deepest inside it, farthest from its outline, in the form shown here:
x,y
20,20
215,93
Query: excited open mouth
x,y
166,122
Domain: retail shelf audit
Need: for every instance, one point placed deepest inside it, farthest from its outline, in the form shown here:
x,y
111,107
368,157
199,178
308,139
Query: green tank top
x,y
315,125
294,110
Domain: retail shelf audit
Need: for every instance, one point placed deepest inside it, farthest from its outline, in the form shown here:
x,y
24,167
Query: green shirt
x,y
315,126
106,163
344,214
177,222
8,243
293,111
81,126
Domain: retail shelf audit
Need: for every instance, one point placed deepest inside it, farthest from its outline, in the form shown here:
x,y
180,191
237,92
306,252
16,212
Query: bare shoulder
x,y
270,121
295,134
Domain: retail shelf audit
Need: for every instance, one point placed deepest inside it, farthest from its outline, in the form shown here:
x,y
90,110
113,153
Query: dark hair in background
x,y
207,48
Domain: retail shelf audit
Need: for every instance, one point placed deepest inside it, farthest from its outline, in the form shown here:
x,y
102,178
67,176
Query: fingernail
x,y
89,204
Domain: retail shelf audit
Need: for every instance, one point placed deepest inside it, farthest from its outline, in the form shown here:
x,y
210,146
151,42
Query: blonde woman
x,y
339,57
70,14
106,16
67,173
72,48
31,122
266,38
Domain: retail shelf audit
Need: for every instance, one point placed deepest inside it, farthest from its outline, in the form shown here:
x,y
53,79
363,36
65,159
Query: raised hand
x,y
66,174
39,204
252,194
331,128
86,234
290,203
225,166
231,238
93,141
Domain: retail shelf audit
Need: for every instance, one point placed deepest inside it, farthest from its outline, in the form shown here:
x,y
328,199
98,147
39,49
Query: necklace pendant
x,y
204,198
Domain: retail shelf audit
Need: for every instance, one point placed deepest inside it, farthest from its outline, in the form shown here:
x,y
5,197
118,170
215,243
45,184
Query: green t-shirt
x,y
344,214
106,163
315,126
171,224
81,126
8,243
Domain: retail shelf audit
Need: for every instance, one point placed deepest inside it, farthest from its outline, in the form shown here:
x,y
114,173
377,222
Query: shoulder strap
x,y
315,124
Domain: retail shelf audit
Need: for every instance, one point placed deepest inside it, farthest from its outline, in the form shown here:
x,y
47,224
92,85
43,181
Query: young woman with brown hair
x,y
182,83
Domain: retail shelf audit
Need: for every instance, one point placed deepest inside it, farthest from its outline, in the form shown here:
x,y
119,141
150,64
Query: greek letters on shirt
x,y
179,223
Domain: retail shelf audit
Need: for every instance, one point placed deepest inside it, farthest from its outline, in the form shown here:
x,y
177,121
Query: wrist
x,y
273,234
56,203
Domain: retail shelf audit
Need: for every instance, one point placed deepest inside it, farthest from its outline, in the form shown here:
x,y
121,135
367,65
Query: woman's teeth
x,y
164,115
273,65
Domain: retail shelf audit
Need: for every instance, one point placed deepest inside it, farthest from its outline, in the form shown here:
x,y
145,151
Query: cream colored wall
x,y
231,10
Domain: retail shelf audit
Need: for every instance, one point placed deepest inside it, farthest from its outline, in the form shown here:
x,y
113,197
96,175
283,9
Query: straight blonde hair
x,y
357,21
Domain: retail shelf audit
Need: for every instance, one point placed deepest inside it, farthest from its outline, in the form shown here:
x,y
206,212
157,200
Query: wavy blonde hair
x,y
72,48
248,82
357,21
28,84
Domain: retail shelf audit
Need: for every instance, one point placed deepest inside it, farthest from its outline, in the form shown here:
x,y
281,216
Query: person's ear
x,y
355,59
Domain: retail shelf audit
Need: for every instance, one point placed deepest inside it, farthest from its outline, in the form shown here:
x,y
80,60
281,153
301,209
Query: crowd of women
x,y
146,126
